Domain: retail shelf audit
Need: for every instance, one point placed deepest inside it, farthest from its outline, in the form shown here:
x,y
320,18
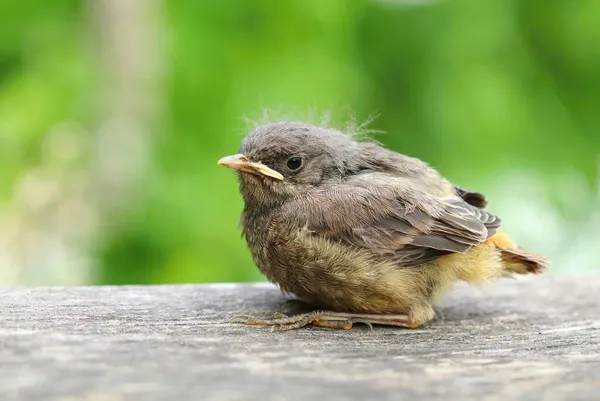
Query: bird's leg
x,y
331,320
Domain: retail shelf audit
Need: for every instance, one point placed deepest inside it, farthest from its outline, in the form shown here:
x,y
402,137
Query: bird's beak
x,y
242,163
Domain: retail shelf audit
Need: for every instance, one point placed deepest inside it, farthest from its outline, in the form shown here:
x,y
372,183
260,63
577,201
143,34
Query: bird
x,y
361,233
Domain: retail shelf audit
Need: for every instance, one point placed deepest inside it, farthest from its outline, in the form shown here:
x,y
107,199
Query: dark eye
x,y
294,163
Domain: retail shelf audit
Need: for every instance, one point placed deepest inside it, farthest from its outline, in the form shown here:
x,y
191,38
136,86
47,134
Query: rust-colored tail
x,y
520,261
517,260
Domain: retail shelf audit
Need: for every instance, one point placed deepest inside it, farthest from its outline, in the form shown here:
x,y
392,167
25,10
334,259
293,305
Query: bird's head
x,y
282,160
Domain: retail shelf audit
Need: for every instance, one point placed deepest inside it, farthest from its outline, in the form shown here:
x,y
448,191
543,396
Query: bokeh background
x,y
113,114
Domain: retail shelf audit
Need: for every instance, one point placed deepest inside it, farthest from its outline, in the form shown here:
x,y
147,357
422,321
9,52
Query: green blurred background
x,y
113,114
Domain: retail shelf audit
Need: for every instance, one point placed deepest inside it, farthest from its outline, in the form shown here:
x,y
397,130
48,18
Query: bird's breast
x,y
327,273
263,238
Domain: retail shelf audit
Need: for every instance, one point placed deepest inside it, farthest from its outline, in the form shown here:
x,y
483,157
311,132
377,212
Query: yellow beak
x,y
242,163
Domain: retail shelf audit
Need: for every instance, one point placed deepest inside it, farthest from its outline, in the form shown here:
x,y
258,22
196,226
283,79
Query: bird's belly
x,y
336,277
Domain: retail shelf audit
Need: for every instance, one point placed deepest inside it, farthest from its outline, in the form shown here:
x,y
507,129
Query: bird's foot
x,y
329,320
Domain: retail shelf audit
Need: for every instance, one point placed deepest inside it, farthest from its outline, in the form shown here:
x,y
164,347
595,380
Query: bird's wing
x,y
395,218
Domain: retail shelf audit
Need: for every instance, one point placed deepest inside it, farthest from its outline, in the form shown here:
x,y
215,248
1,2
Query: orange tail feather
x,y
518,260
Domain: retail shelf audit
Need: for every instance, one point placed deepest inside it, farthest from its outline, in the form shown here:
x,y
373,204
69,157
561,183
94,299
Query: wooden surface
x,y
529,339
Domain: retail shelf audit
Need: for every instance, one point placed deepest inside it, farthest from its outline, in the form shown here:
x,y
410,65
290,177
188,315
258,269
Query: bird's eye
x,y
294,163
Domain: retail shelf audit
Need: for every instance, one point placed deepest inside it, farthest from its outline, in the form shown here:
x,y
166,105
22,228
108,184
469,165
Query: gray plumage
x,y
351,226
360,194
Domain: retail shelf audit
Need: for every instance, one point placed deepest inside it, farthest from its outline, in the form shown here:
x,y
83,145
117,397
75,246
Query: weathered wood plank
x,y
528,339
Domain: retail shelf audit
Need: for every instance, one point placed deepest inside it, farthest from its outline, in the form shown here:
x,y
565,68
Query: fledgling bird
x,y
360,232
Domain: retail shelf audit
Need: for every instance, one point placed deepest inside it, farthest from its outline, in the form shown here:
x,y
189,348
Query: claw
x,y
363,321
239,319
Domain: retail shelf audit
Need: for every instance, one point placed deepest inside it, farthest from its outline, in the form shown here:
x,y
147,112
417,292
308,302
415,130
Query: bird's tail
x,y
520,261
517,260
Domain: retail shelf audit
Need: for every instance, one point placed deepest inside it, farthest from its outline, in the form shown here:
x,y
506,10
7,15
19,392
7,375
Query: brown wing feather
x,y
401,221
416,238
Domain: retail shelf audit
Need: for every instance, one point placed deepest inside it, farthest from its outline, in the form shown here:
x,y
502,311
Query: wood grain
x,y
525,339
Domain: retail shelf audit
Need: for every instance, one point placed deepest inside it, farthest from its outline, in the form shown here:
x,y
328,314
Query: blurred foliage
x,y
477,89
